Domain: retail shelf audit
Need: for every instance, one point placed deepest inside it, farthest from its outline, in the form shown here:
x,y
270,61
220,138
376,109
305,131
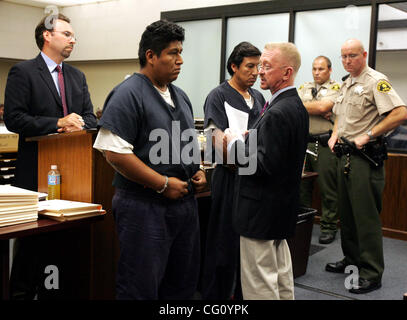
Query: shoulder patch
x,y
335,87
383,86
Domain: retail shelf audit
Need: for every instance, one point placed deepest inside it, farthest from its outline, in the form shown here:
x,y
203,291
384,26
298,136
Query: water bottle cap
x,y
54,167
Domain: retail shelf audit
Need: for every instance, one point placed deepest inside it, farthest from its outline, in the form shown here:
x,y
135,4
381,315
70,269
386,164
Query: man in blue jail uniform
x,y
221,273
145,135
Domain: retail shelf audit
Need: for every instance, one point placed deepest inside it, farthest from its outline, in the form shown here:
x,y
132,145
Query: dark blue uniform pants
x,y
159,247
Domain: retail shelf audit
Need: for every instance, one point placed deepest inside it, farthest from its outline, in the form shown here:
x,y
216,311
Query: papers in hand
x,y
237,124
237,119
68,210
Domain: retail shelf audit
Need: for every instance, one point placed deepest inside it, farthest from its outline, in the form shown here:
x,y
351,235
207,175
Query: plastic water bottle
x,y
54,183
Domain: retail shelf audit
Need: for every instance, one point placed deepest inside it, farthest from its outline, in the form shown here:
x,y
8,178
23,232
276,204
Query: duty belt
x,y
342,149
374,152
321,138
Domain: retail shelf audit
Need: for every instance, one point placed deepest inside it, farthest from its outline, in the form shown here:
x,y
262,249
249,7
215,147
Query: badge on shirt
x,y
335,87
323,92
359,90
383,86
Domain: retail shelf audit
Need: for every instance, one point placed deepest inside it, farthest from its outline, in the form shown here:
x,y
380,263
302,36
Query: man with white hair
x,y
267,202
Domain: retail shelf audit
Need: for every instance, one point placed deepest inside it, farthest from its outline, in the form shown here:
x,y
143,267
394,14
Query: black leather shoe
x,y
366,286
326,238
336,267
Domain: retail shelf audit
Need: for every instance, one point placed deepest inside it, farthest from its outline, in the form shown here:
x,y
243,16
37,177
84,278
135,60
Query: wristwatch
x,y
370,134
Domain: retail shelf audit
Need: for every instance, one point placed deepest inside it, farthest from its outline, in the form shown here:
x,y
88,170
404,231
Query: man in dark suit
x,y
43,95
267,201
35,102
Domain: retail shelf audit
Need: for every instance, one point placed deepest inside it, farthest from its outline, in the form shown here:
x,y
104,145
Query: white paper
x,y
237,119
58,205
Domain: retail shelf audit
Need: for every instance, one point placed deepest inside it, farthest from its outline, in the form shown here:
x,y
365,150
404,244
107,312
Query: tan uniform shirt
x,y
363,102
330,91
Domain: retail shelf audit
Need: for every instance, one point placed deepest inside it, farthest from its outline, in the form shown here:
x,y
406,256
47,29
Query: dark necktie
x,y
264,108
62,89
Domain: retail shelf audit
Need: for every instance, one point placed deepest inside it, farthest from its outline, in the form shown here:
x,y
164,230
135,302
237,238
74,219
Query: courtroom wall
x,y
5,65
389,62
17,24
103,76
112,30
105,31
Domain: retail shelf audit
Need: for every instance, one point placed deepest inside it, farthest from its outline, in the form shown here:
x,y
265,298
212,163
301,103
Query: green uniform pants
x,y
359,206
326,166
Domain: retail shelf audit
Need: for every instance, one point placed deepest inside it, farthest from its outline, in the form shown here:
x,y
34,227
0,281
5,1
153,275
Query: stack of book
x,y
17,205
65,210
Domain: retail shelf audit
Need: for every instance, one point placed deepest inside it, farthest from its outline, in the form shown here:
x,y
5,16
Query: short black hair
x,y
47,23
242,50
328,62
157,37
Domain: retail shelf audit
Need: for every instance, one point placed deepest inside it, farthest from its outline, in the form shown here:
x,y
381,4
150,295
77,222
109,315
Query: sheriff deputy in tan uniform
x,y
319,97
366,109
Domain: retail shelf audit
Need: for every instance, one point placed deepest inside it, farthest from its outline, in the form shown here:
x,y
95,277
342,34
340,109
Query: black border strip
x,y
223,50
392,24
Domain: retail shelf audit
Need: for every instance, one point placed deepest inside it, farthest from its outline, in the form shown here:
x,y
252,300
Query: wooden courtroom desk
x,y
394,205
87,177
41,226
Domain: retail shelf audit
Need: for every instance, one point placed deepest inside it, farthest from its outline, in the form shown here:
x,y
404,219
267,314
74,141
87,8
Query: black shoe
x,y
366,286
336,267
326,238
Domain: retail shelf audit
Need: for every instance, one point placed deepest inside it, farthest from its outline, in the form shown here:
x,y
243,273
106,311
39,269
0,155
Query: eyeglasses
x,y
350,56
264,67
268,67
67,35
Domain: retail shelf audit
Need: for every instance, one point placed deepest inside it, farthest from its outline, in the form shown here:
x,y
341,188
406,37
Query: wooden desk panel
x,y
75,164
394,210
78,246
42,225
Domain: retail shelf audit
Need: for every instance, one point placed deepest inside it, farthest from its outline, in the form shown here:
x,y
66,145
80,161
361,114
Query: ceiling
x,y
59,3
401,6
